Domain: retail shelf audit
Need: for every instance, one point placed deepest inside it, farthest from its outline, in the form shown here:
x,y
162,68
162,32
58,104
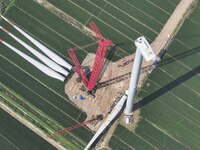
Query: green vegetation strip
x,y
45,106
17,136
36,117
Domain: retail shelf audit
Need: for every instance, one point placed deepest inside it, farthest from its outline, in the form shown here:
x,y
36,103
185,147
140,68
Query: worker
x,y
82,98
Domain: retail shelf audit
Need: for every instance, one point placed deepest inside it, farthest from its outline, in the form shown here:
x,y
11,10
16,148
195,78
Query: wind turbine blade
x,y
43,58
35,63
43,48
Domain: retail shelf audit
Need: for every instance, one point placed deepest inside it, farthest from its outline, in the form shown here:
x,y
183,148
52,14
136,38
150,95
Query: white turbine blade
x,y
108,121
37,64
43,58
43,48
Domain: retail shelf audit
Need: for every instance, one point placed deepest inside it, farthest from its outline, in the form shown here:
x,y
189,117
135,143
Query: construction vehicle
x,y
65,130
91,81
125,62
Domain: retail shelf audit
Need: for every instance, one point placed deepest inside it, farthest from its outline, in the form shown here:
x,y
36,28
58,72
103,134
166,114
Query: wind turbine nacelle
x,y
143,45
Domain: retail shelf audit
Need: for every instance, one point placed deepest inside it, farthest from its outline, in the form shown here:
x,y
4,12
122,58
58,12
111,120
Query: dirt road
x,y
173,24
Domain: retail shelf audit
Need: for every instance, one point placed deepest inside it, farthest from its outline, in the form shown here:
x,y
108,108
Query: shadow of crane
x,y
151,67
109,57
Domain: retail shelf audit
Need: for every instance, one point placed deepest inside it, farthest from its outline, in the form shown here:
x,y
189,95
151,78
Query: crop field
x,y
169,100
15,136
122,21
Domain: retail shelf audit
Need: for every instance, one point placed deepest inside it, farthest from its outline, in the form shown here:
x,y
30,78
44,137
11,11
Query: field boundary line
x,y
145,140
102,21
49,104
117,19
178,98
132,17
75,45
69,19
169,13
171,2
31,127
124,142
75,23
181,100
7,138
34,91
106,25
161,144
37,80
143,12
50,29
88,20
187,119
26,102
42,40
31,115
180,62
172,25
185,85
102,9
166,133
158,7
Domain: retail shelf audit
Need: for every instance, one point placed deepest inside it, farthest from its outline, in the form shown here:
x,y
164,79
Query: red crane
x,y
96,30
77,67
98,62
65,130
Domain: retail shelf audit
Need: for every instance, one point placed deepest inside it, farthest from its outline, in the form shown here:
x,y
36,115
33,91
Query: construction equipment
x,y
65,130
96,30
77,67
98,62
125,62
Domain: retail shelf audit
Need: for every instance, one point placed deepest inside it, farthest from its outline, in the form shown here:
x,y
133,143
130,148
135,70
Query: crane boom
x,y
96,30
65,130
98,117
98,63
77,67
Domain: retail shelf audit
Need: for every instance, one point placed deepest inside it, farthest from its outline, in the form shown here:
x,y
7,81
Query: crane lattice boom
x,y
98,63
65,130
96,30
77,67
96,118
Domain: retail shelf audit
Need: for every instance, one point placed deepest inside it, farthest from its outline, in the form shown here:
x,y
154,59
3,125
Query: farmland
x,y
169,100
14,135
122,22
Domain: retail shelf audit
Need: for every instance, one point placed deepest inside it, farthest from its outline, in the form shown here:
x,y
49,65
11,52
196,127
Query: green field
x,y
15,136
120,21
169,100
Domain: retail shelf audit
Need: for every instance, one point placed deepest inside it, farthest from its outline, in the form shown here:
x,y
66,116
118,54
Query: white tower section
x,y
143,50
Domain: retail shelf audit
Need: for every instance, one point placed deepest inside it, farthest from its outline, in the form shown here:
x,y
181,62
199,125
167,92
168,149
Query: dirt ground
x,y
106,95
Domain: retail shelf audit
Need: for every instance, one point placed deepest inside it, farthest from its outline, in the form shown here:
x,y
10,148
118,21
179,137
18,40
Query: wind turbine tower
x,y
143,50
